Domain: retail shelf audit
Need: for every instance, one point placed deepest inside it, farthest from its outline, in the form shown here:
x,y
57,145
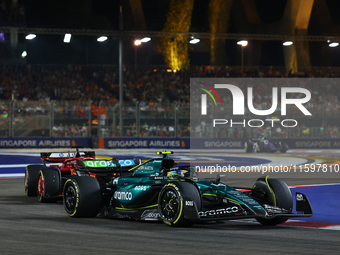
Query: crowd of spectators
x,y
82,88
154,130
146,86
69,131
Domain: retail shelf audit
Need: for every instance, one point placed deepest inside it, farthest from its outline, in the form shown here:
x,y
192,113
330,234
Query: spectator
x,y
171,131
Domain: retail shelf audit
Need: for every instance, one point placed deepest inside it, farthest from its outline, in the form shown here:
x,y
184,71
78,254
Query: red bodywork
x,y
66,163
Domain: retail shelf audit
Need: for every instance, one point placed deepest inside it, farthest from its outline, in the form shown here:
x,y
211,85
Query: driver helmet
x,y
176,174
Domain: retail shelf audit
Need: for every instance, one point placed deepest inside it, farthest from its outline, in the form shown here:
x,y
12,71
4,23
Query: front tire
x,y
277,194
82,197
171,202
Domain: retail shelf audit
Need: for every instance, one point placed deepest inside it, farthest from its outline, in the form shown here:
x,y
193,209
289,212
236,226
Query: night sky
x,y
103,15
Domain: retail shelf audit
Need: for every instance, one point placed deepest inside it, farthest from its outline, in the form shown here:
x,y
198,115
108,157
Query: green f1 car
x,y
157,191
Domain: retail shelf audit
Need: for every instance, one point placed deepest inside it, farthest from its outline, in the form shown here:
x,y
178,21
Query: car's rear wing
x,y
115,163
61,156
114,166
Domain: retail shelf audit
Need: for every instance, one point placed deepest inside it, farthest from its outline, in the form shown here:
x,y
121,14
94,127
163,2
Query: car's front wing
x,y
303,208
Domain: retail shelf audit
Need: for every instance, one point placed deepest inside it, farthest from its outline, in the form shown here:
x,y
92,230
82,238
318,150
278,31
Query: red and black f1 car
x,y
47,180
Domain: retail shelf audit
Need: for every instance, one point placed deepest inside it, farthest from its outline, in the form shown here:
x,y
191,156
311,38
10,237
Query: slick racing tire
x,y
283,147
31,179
48,188
82,197
171,202
248,147
277,194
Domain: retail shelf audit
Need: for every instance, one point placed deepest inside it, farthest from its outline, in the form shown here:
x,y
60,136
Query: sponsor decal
x,y
140,188
107,163
18,143
64,154
137,143
228,210
121,195
189,203
150,215
98,163
152,177
145,168
44,142
223,144
299,197
126,162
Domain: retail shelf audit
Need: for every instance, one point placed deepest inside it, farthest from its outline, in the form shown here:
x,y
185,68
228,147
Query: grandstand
x,y
66,101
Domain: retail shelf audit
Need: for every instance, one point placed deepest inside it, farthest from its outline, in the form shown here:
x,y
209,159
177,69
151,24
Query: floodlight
x,y
67,38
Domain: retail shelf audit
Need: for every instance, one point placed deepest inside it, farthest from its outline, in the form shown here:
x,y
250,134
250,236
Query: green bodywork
x,y
141,189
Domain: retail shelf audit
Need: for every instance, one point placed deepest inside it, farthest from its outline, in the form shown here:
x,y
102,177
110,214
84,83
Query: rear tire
x,y
282,198
31,179
48,185
82,197
171,202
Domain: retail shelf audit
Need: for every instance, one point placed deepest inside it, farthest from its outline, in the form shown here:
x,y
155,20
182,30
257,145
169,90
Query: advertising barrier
x,y
40,142
230,143
166,143
304,143
162,143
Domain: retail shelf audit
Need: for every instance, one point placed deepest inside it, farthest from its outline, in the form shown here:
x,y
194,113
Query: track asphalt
x,y
30,227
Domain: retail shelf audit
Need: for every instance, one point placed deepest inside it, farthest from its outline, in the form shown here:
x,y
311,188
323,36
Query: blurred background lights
x,y
145,39
242,43
67,38
194,41
30,36
333,44
287,43
102,38
138,42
